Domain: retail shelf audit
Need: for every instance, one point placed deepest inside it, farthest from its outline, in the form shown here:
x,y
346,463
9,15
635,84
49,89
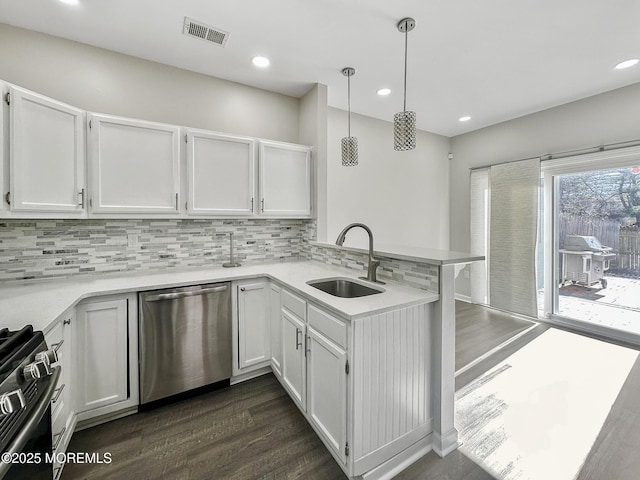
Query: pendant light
x,y
404,123
349,144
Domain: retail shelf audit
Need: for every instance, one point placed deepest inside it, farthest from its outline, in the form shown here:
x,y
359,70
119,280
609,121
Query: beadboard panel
x,y
392,384
32,249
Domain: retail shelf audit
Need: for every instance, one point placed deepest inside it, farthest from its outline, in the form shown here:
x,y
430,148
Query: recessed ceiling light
x,y
383,92
466,118
627,64
261,62
71,2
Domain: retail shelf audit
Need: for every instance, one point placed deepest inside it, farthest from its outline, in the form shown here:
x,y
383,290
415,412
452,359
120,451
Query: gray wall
x,y
313,131
402,196
606,118
107,82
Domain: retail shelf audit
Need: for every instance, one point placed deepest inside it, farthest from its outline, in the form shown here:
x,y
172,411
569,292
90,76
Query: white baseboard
x,y
445,444
243,377
401,461
463,298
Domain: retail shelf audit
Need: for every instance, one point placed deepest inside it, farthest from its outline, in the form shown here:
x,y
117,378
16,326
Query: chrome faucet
x,y
373,263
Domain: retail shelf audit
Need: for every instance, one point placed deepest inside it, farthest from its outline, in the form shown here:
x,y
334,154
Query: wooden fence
x,y
629,248
604,229
625,241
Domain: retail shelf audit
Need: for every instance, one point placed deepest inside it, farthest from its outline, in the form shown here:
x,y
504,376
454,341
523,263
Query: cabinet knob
x,y
12,401
242,289
66,322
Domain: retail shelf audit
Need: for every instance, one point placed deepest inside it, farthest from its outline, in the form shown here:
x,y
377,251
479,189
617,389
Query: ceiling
x,y
493,60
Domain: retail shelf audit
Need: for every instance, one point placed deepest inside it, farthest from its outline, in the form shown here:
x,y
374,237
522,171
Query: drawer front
x,y
328,325
55,341
295,304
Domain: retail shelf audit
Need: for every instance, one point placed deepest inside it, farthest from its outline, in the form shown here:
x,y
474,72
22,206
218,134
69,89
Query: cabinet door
x,y
4,146
101,346
285,179
134,166
220,174
294,368
253,324
327,390
58,338
46,151
276,331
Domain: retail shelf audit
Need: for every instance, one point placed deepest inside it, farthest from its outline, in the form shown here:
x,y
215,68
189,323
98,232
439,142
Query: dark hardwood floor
x,y
479,330
254,430
247,431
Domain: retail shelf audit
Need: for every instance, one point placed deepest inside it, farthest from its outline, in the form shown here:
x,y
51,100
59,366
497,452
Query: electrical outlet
x,y
132,240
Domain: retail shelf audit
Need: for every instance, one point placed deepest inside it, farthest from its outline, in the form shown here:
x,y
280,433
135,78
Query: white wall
x,y
104,81
313,131
606,118
401,196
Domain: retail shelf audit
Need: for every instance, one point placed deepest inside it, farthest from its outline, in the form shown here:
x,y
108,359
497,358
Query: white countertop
x,y
41,302
412,253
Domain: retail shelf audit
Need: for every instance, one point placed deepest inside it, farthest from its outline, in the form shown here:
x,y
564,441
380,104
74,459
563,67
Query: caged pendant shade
x,y
349,143
404,123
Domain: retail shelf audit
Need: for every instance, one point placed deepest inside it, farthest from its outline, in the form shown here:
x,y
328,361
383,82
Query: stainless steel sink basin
x,y
344,287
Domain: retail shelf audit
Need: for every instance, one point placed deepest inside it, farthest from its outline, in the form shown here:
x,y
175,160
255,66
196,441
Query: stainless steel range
x,y
27,382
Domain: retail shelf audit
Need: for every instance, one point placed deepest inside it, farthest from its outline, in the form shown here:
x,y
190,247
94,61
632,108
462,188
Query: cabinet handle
x,y
298,343
56,346
59,392
176,201
58,439
66,322
251,204
262,205
307,345
81,193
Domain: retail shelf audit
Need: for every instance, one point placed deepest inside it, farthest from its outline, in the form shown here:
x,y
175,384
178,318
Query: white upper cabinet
x,y
285,179
134,166
46,155
220,174
4,145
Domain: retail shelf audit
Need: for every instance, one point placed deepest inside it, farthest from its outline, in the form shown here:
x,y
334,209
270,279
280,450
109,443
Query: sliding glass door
x,y
592,242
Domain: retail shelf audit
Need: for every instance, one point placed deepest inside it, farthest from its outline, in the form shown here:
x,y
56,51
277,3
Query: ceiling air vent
x,y
205,32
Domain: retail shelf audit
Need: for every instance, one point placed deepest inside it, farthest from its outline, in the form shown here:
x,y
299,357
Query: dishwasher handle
x,y
173,296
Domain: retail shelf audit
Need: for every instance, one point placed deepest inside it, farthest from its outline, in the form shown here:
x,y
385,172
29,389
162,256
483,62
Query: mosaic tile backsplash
x,y
35,249
32,249
418,275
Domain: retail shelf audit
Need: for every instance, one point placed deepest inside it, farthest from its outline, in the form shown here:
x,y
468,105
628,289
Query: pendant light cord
x,y
349,101
406,37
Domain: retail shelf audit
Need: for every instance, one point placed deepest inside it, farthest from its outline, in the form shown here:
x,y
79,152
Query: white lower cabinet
x,y
106,349
314,369
364,385
254,323
327,390
294,367
63,419
276,330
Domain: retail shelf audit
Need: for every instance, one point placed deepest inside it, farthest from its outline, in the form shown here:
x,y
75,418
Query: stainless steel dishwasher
x,y
185,339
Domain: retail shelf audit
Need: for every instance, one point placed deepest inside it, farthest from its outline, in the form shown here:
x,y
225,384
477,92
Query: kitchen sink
x,y
344,287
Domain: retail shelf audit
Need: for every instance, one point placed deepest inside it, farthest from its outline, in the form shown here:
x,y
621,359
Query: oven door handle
x,y
32,423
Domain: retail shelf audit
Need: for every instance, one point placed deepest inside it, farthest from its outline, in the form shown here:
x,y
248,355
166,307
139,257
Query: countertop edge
x,y
456,257
198,276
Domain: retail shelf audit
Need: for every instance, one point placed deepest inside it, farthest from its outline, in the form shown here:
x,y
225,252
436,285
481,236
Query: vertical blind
x,y
513,230
479,214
